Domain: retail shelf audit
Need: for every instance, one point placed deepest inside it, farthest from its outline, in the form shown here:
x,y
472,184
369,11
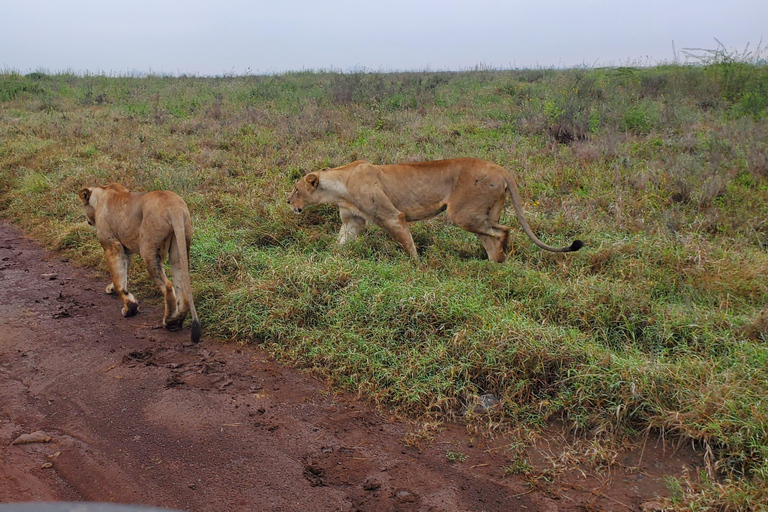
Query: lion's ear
x,y
84,195
313,180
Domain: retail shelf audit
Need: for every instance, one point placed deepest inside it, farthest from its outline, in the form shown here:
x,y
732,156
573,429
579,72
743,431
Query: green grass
x,y
640,331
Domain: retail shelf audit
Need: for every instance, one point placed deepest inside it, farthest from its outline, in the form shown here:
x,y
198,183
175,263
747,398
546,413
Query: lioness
x,y
472,192
154,224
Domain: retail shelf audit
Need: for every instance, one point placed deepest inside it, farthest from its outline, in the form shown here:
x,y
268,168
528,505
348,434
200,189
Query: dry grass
x,y
664,177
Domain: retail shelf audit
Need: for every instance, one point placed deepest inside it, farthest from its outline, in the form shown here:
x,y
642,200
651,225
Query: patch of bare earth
x,y
137,415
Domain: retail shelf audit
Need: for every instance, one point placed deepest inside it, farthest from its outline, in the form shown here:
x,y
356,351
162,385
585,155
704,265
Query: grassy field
x,y
663,172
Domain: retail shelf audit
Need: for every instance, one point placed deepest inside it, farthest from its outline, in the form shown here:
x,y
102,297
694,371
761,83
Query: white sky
x,y
216,37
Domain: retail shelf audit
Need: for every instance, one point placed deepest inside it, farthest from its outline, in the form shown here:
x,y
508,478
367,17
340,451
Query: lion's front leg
x,y
397,228
351,225
118,261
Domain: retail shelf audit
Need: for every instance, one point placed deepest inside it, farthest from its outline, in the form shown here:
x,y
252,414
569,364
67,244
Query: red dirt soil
x,y
138,415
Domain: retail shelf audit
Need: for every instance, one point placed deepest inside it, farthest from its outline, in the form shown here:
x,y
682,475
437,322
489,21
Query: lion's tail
x,y
517,202
179,230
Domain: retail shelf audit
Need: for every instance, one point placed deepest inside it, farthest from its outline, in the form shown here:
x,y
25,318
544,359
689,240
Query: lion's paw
x,y
173,324
130,310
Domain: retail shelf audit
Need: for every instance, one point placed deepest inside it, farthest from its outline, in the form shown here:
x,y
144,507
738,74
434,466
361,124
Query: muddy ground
x,y
138,415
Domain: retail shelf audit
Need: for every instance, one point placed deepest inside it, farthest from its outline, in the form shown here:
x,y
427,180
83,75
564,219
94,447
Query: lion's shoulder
x,y
352,165
116,187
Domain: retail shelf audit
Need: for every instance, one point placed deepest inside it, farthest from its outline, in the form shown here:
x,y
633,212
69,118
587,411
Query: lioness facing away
x,y
156,225
471,191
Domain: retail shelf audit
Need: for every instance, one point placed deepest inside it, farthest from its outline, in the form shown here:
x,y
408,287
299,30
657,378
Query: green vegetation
x,y
663,172
455,456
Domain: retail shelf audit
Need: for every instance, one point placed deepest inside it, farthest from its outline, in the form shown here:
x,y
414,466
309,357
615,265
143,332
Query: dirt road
x,y
136,415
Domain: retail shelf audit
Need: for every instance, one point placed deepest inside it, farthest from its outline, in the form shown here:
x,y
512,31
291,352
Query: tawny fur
x,y
472,192
155,225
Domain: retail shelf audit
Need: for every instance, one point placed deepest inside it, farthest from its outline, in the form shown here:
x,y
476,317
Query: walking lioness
x,y
472,192
156,225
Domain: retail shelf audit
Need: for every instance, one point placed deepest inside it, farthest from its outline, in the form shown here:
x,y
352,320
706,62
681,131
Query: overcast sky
x,y
216,37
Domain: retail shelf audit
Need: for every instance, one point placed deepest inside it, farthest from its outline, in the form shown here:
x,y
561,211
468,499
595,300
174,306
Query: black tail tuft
x,y
197,332
576,245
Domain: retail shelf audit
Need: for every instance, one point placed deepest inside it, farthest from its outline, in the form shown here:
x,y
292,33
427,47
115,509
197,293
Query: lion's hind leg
x,y
483,220
176,319
494,246
153,258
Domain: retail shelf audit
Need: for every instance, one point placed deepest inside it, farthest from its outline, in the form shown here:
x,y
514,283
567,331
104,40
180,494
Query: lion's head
x,y
90,211
303,191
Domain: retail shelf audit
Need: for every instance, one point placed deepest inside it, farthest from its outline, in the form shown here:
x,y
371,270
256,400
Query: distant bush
x,y
12,85
742,77
637,119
